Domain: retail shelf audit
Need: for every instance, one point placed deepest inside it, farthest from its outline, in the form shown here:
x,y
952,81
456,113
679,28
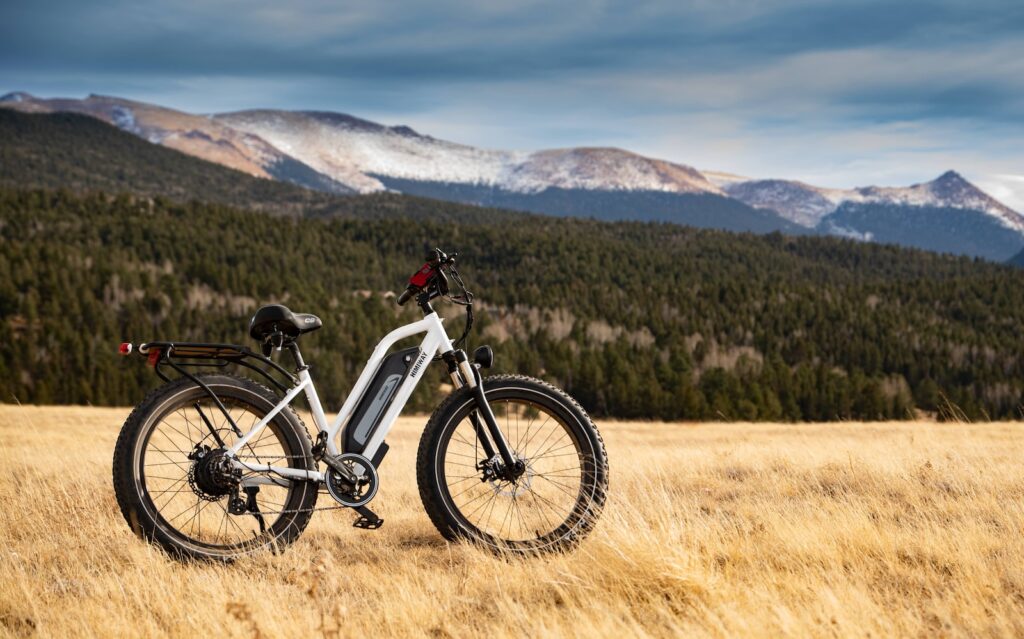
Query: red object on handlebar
x,y
420,278
432,270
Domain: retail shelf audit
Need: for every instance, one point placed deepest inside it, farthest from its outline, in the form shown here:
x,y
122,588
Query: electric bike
x,y
213,465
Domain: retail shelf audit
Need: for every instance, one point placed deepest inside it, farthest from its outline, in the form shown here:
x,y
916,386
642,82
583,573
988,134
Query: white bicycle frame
x,y
435,340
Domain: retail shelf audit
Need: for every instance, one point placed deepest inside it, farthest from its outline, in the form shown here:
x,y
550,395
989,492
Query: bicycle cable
x,y
465,299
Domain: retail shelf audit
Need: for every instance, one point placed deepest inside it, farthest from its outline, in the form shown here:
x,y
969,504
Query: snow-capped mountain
x,y
947,214
340,153
807,205
354,150
359,153
605,183
800,203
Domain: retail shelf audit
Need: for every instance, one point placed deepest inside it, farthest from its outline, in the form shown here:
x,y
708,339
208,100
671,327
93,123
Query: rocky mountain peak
x,y
17,96
949,177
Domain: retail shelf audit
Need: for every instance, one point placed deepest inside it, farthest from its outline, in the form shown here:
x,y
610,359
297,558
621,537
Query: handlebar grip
x,y
406,294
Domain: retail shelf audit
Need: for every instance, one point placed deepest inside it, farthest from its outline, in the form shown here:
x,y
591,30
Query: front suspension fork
x,y
492,439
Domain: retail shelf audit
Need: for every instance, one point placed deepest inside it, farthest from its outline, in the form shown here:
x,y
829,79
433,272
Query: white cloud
x,y
1008,189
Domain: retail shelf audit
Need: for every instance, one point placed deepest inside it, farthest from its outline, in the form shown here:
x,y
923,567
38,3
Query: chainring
x,y
346,493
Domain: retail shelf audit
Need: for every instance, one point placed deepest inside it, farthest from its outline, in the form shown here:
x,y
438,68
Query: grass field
x,y
711,530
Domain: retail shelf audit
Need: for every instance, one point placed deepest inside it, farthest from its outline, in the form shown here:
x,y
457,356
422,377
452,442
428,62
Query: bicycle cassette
x,y
351,479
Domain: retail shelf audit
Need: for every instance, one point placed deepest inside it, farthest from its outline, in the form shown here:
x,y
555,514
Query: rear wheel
x,y
176,488
551,506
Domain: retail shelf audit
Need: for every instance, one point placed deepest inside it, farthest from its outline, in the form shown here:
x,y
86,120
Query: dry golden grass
x,y
711,530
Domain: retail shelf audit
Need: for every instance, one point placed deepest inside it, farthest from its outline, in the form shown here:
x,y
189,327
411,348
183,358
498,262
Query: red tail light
x,y
125,349
154,356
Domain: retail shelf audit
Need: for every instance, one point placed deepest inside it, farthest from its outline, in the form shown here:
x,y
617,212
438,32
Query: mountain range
x,y
341,154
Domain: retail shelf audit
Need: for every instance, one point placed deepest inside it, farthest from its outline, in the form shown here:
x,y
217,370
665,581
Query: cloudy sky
x,y
837,93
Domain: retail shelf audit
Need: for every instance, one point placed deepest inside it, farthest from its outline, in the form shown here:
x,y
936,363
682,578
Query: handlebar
x,y
430,276
432,280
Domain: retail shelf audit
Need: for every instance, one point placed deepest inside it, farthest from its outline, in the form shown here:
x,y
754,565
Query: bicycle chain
x,y
292,510
302,510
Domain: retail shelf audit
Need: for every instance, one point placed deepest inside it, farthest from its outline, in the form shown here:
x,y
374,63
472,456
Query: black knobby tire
x,y
160,413
454,490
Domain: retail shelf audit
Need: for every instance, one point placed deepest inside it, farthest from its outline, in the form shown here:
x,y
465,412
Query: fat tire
x,y
432,493
127,484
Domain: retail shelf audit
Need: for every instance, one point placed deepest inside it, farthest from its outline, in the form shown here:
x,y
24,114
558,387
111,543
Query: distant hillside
x,y
197,135
701,210
79,152
82,153
635,320
944,229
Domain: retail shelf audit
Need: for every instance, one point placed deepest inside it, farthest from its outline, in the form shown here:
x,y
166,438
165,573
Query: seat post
x,y
300,364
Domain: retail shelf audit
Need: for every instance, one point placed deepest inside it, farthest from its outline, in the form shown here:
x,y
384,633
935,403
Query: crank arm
x,y
342,469
368,520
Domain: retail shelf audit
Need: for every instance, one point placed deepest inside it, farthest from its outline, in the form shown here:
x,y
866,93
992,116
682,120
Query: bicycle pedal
x,y
368,524
367,520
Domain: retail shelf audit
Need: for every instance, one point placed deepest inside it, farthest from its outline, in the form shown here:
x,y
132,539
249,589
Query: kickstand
x,y
368,520
254,508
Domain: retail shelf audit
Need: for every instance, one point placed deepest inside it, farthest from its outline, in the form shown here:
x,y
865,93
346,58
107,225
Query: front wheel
x,y
551,506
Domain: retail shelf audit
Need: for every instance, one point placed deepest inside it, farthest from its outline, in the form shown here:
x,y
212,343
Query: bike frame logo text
x,y
419,363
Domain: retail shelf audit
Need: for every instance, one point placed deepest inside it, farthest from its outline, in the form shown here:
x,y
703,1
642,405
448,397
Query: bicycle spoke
x,y
544,441
540,509
552,449
539,430
492,503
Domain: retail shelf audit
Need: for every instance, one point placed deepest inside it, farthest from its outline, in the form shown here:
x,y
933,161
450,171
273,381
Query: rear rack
x,y
182,355
202,354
